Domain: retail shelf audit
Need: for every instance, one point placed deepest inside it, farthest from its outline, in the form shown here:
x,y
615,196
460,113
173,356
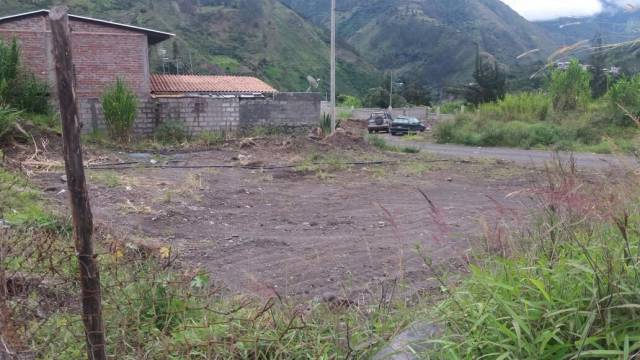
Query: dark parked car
x,y
403,125
380,121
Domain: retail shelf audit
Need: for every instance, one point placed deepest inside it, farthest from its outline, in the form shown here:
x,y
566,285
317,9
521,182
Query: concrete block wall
x,y
291,110
418,112
92,117
200,114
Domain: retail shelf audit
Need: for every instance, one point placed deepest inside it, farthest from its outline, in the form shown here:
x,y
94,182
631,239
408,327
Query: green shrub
x,y
120,106
9,65
409,150
325,124
381,144
19,88
475,131
349,101
211,138
170,132
587,130
572,293
31,94
526,106
272,130
570,88
21,205
625,93
451,107
8,118
378,142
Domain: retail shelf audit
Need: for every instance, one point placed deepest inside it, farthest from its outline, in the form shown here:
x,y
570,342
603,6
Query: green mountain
x,y
619,30
432,40
257,37
614,25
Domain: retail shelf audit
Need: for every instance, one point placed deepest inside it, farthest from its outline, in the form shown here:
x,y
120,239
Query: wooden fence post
x,y
81,210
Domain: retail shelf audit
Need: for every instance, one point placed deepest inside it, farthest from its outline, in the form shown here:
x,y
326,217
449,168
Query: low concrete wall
x,y
425,114
200,114
196,114
419,112
283,110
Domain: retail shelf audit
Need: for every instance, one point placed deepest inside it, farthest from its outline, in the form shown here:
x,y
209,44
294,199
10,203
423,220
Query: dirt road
x,y
304,233
534,158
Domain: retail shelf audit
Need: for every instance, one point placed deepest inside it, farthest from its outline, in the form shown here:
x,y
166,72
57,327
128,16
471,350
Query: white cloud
x,y
625,3
552,9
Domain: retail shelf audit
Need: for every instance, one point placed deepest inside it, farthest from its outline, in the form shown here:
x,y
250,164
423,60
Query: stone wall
x,y
283,110
200,114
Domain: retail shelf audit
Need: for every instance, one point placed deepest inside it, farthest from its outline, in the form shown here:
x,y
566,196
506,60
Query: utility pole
x,y
333,67
391,92
81,210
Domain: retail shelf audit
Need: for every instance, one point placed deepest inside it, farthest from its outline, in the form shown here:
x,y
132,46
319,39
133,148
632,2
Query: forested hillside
x,y
433,40
259,37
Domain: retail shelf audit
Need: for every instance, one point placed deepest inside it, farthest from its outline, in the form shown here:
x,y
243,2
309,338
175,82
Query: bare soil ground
x,y
306,231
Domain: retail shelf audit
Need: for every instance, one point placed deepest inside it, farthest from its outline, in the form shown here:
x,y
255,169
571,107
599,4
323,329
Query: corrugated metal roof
x,y
154,36
180,84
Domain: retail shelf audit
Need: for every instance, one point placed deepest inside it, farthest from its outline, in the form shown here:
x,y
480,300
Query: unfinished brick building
x,y
102,51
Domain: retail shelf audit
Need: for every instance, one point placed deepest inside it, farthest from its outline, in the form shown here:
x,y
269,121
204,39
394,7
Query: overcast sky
x,y
552,9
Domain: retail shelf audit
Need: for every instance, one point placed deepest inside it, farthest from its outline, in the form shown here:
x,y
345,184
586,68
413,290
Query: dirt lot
x,y
304,231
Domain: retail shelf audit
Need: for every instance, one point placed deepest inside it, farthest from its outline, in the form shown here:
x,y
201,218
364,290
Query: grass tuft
x,y
382,145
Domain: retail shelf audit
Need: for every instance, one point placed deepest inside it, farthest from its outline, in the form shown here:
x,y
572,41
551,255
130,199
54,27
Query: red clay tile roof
x,y
179,84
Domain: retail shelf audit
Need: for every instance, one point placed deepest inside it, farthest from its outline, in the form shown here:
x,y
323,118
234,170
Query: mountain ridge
x,y
432,39
431,42
263,38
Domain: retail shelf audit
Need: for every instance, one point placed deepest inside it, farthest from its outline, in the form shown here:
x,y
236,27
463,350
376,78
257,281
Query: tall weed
x,y
624,96
19,88
526,106
8,118
120,106
570,291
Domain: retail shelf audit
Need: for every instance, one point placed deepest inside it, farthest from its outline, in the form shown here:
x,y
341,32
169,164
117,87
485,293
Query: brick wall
x,y
101,54
197,114
34,43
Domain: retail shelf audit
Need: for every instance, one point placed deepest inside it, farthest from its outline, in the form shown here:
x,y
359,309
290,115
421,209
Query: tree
x,y
379,98
490,82
624,100
598,59
349,101
570,88
416,94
